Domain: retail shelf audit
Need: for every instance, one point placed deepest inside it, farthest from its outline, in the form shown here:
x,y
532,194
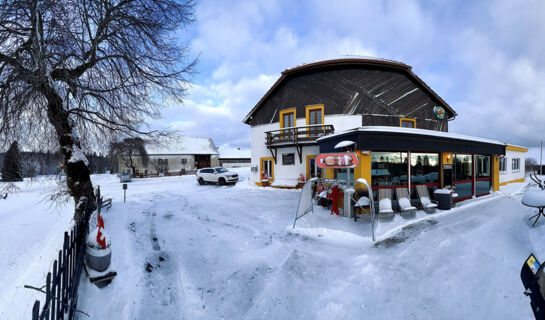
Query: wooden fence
x,y
61,287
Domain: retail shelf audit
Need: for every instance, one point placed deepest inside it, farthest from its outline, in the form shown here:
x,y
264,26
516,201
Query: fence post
x,y
54,287
65,270
59,287
47,295
71,259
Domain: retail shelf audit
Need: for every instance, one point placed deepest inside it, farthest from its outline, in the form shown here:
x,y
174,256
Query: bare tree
x,y
130,152
74,72
531,165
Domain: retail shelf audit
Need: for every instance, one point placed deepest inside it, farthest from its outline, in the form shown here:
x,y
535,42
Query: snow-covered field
x,y
184,251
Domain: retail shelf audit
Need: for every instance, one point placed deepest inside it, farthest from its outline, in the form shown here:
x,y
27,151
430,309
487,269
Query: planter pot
x,y
264,183
98,259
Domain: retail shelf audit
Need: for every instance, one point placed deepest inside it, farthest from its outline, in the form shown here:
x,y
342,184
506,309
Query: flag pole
x,y
541,159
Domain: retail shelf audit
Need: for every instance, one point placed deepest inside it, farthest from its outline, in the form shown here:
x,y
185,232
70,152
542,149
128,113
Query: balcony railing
x,y
297,135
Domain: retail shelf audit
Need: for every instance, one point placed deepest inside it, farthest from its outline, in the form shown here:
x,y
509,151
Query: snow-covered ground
x,y
184,251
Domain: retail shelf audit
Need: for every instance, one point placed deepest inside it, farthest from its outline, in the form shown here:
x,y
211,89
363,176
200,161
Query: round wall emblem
x,y
439,112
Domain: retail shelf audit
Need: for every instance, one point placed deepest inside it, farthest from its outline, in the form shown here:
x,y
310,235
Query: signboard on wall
x,y
337,160
288,159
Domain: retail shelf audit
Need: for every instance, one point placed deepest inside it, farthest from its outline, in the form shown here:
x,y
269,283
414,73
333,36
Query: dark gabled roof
x,y
385,64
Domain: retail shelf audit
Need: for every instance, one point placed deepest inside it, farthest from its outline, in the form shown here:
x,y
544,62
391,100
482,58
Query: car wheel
x,y
201,181
221,181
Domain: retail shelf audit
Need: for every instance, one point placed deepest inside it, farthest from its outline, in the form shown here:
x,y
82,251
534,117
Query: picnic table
x,y
534,199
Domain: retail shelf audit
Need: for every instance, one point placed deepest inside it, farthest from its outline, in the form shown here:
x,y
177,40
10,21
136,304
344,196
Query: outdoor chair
x,y
404,200
424,196
385,203
363,201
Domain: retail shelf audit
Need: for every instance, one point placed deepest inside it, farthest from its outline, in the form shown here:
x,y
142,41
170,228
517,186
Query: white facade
x,y
175,155
509,171
234,157
288,175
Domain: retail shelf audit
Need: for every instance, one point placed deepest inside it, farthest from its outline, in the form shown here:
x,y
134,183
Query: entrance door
x,y
267,169
312,169
202,161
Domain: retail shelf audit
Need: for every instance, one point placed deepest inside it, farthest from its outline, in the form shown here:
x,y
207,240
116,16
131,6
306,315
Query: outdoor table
x,y
534,199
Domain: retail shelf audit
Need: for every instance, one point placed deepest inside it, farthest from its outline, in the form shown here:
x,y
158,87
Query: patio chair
x,y
404,200
424,196
385,203
363,201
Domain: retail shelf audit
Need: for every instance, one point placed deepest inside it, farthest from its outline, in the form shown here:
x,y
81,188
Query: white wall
x,y
510,175
290,173
174,163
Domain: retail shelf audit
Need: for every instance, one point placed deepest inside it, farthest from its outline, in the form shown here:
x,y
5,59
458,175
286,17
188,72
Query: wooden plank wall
x,y
382,96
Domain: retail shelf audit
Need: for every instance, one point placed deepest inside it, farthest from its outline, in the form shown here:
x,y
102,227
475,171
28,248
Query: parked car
x,y
217,175
125,177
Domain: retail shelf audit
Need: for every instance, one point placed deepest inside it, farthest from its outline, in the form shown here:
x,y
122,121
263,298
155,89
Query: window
x,y
482,170
342,174
463,175
287,118
315,114
515,164
389,168
312,169
184,161
483,166
463,167
407,123
424,168
267,169
503,164
288,159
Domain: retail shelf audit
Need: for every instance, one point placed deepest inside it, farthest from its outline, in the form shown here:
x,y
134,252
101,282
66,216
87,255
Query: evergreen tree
x,y
11,169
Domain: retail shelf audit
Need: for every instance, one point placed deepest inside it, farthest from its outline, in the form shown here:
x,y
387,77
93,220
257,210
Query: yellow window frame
x,y
408,120
314,107
261,167
286,111
308,164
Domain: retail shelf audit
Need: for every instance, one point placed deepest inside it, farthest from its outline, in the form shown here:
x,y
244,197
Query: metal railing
x,y
297,135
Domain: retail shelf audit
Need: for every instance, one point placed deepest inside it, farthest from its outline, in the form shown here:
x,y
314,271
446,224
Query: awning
x,y
409,139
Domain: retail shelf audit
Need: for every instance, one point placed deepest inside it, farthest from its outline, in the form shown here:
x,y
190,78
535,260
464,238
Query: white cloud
x,y
217,110
485,59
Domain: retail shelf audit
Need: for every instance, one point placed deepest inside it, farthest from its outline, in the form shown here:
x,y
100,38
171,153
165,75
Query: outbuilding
x,y
174,156
234,157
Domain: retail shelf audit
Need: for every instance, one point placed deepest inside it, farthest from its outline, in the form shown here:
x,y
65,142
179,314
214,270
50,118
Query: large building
x,y
175,156
398,123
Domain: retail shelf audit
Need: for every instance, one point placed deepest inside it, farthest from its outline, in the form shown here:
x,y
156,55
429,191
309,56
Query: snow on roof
x,y
234,153
413,131
182,145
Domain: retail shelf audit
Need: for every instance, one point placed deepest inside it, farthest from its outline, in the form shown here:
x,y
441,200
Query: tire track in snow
x,y
160,297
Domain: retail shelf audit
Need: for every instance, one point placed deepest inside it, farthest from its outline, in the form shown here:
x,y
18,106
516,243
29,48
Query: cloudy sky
x,y
485,58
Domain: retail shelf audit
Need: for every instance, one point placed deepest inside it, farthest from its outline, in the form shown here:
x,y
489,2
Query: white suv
x,y
217,175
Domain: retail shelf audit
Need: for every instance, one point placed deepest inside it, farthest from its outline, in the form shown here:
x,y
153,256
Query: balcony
x,y
296,137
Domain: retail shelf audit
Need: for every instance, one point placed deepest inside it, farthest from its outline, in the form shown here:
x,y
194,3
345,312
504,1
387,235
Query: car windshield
x,y
221,170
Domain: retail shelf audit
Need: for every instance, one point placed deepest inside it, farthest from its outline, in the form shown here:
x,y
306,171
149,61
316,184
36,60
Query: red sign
x,y
337,160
